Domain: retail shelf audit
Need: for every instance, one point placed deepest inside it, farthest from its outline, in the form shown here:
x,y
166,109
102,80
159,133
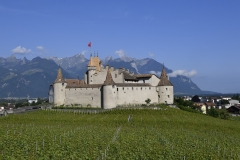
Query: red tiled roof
x,y
210,104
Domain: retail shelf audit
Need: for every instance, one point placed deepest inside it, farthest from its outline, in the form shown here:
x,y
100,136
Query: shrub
x,y
187,109
148,101
224,115
213,112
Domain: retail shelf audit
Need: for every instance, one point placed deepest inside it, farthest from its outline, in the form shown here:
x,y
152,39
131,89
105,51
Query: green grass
x,y
151,134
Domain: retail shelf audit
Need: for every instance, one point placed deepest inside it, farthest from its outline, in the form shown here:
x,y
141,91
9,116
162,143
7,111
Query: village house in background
x,y
221,102
106,87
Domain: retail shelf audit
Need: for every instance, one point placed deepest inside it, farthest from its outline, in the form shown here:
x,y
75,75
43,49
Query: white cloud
x,y
182,73
40,48
84,52
21,50
120,53
150,54
157,73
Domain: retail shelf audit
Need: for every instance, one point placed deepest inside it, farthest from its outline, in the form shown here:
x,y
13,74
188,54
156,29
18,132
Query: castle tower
x,y
165,89
109,92
59,89
93,67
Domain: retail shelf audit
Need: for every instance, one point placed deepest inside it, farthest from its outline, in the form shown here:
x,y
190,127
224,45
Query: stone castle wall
x,y
112,96
83,96
136,95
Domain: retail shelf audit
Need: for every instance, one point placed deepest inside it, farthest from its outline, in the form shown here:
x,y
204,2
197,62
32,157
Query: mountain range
x,y
31,78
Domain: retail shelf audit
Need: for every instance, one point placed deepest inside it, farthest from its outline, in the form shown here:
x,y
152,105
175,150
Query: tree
x,y
213,112
148,101
19,104
33,103
224,114
195,99
236,97
39,101
223,101
25,104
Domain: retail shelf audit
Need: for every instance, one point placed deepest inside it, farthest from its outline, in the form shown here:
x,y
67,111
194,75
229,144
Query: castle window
x,y
143,81
141,88
149,88
166,89
117,89
123,88
62,83
92,98
115,75
158,96
92,88
132,88
168,96
91,80
112,86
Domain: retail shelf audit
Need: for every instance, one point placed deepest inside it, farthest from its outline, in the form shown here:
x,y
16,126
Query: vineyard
x,y
118,134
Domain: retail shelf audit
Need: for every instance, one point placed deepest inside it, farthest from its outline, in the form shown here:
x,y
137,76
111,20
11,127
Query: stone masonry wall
x,y
83,96
136,95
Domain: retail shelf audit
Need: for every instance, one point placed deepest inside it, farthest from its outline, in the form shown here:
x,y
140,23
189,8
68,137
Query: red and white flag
x,y
90,44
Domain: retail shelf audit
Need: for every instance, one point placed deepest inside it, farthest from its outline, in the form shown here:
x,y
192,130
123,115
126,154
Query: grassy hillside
x,y
150,134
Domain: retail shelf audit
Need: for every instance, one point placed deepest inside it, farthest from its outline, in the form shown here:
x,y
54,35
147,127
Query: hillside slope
x,y
120,134
19,78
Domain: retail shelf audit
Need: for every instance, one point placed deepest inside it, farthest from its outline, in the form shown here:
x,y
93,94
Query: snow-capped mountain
x,y
77,66
23,77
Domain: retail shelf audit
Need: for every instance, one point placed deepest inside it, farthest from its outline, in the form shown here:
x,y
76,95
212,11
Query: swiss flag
x,y
90,44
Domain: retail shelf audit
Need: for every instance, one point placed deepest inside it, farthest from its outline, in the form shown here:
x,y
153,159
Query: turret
x,y
165,89
94,66
109,92
59,89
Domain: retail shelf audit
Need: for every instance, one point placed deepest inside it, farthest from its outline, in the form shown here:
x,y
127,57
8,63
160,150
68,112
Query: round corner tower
x,y
59,89
109,87
165,91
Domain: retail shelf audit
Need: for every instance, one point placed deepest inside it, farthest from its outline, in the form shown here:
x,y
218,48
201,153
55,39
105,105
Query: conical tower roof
x,y
164,81
59,78
90,63
109,79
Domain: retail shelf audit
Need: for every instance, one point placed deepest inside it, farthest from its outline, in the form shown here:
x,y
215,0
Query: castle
x,y
106,87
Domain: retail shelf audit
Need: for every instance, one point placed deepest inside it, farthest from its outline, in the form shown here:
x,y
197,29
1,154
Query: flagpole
x,y
90,45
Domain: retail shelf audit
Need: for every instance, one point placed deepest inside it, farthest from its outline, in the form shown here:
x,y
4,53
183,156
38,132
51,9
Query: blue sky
x,y
197,38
